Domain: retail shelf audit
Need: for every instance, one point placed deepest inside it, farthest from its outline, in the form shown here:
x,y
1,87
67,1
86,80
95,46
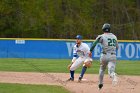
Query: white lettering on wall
x,y
130,50
70,46
97,50
121,47
127,50
89,44
137,50
19,41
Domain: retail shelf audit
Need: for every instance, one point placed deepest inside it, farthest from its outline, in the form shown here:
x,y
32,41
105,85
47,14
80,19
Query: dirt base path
x,y
126,84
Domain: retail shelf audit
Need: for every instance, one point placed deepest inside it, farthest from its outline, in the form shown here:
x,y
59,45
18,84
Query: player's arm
x,y
74,55
74,58
98,39
94,44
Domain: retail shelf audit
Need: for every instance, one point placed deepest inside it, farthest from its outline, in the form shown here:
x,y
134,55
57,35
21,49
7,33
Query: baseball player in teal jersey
x,y
80,56
108,56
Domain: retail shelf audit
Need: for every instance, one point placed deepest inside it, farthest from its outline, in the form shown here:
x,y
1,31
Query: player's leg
x,y
101,72
87,64
111,72
103,64
74,66
111,69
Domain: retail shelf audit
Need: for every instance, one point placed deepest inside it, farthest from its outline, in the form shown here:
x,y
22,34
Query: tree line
x,y
64,19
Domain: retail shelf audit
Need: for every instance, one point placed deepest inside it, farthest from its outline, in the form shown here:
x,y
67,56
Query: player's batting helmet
x,y
106,27
79,37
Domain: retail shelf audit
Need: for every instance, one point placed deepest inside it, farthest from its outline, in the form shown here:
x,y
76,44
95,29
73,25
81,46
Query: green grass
x,y
60,66
26,88
53,65
128,67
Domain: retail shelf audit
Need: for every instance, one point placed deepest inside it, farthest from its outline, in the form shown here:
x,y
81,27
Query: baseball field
x,y
50,75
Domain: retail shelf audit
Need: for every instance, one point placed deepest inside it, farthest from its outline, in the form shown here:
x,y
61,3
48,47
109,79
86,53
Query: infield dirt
x,y
89,84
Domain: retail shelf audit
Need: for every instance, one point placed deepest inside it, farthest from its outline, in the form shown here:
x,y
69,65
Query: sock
x,y
83,71
72,74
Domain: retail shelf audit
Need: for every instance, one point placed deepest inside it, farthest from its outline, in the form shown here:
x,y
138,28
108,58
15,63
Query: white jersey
x,y
109,42
81,51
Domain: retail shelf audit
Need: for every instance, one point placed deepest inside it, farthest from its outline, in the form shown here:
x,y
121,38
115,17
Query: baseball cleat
x,y
100,86
80,78
70,79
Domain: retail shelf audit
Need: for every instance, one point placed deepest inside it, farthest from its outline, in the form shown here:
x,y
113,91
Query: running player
x,y
108,57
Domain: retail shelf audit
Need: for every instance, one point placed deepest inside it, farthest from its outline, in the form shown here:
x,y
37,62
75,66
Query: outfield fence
x,y
59,49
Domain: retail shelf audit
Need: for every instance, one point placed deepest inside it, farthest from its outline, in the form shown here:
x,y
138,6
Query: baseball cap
x,y
79,37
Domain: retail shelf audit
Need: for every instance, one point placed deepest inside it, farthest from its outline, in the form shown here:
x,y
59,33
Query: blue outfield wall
x,y
59,49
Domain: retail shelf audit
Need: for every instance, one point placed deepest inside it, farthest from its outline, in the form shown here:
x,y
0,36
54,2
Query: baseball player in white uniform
x,y
80,56
108,57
